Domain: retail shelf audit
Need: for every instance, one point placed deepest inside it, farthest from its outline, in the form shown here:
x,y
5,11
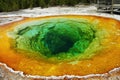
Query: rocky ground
x,y
6,17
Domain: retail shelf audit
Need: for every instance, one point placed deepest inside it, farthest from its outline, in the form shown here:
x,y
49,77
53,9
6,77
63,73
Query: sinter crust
x,y
7,73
